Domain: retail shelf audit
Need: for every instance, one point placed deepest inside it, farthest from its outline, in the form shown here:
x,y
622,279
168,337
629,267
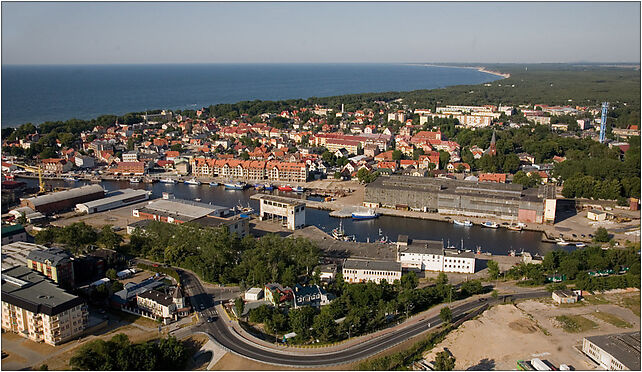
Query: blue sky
x,y
106,33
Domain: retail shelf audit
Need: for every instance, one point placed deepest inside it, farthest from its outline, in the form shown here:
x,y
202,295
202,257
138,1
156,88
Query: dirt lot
x,y
507,333
117,217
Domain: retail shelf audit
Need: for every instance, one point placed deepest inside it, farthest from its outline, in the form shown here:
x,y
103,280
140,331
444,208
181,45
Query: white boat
x,y
235,186
193,181
515,227
339,234
561,242
168,180
367,215
213,183
463,223
134,180
490,224
580,245
70,179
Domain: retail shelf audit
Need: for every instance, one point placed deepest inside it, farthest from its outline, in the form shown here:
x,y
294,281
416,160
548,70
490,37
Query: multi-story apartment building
x,y
361,271
286,172
250,169
39,310
54,263
56,165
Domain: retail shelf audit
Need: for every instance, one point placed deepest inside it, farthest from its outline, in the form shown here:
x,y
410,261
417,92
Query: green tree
x,y
601,235
409,280
239,306
116,286
397,155
446,315
493,269
108,238
444,361
111,274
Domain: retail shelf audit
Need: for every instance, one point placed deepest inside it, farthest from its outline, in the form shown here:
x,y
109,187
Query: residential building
x,y
54,263
234,224
84,161
134,167
277,295
311,295
56,165
157,303
130,156
37,309
361,271
291,212
430,255
614,352
493,177
15,254
13,233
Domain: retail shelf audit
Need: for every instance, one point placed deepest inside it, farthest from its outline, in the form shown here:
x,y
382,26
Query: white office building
x,y
430,255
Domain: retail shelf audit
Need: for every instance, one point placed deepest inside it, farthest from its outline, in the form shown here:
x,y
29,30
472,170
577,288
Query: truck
x,y
539,365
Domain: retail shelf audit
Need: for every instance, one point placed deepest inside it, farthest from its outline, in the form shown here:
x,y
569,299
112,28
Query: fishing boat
x,y
213,183
515,227
490,224
298,189
168,180
367,215
259,186
197,199
562,242
478,251
193,181
268,187
285,188
580,245
339,234
234,186
462,223
134,180
245,210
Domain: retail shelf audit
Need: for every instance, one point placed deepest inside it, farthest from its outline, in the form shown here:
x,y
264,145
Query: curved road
x,y
229,339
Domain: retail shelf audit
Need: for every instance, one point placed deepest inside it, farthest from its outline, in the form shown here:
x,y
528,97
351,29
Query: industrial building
x,y
235,224
115,199
35,308
64,200
288,210
431,255
13,233
178,210
455,197
361,271
614,352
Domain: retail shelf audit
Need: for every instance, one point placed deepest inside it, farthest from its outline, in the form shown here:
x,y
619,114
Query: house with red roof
x,y
492,177
451,167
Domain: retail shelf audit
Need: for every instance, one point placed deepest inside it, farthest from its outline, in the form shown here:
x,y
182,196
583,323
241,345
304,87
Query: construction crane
x,y
605,110
41,183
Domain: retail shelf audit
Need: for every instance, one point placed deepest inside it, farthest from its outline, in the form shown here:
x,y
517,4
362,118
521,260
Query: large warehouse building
x,y
64,200
466,198
115,199
178,210
615,352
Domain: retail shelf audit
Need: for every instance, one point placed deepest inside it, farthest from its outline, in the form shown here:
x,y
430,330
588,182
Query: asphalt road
x,y
228,338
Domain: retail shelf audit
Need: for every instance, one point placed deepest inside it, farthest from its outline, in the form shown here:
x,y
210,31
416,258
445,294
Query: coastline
x,y
478,68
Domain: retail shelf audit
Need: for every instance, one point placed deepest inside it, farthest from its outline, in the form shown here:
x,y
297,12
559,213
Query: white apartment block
x,y
430,255
157,303
362,271
37,309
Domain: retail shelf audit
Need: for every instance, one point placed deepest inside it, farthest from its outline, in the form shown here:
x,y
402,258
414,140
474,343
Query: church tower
x,y
492,151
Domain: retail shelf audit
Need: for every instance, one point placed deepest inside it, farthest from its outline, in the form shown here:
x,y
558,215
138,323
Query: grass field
x,y
575,323
633,304
612,319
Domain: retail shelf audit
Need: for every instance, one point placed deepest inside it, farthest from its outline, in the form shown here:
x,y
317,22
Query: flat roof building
x,y
64,200
178,210
115,199
13,233
54,263
447,196
614,352
361,271
289,211
15,254
36,308
431,255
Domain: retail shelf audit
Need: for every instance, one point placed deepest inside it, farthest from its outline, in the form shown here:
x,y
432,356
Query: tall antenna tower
x,y
605,110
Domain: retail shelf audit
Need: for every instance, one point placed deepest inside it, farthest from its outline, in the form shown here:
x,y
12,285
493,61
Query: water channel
x,y
496,241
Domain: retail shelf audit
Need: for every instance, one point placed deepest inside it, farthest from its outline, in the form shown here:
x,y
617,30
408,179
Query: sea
x,y
34,94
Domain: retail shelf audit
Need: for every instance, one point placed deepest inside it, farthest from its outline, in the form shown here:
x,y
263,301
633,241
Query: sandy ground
x,y
507,333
